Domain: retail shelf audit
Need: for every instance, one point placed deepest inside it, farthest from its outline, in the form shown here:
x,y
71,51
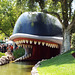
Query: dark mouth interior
x,y
38,49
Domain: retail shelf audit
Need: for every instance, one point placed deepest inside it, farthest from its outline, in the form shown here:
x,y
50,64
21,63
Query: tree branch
x,y
12,24
4,32
72,23
69,5
56,14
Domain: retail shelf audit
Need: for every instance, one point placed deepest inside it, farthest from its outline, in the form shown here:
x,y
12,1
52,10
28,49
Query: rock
x,y
6,59
0,63
34,69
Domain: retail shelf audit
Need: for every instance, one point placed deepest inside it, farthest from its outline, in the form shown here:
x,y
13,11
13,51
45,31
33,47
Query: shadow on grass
x,y
65,58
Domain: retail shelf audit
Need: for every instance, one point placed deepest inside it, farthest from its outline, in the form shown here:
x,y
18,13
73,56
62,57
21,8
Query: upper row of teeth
x,y
37,42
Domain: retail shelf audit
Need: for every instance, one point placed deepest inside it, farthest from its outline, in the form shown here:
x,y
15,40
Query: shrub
x,y
73,41
2,54
18,52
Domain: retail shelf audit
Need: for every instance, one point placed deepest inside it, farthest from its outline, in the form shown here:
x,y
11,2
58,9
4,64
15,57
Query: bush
x,y
2,54
73,41
18,52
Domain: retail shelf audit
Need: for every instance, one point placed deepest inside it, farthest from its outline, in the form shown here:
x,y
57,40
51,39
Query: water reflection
x,y
18,68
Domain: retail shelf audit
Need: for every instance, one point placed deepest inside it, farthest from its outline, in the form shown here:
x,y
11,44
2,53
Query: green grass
x,y
60,65
2,54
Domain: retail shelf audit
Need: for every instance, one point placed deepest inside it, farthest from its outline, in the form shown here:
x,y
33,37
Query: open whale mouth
x,y
34,44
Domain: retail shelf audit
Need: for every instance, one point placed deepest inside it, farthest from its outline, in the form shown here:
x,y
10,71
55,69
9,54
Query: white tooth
x,y
43,43
31,46
39,42
46,44
31,42
20,41
23,57
23,41
52,46
27,56
17,42
56,46
30,54
26,41
26,46
35,42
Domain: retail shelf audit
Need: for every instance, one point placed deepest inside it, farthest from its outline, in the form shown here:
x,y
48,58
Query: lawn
x,y
60,65
2,54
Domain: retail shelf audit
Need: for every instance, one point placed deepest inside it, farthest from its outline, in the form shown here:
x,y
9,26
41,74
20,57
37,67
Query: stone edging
x,y
6,59
34,69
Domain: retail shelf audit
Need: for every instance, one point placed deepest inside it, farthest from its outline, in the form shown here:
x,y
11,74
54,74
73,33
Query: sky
x,y
73,5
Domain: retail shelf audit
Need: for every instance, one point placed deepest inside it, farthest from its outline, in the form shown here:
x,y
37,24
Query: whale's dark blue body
x,y
38,23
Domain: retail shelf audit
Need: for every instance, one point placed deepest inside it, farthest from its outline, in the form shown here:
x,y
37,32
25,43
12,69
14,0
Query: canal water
x,y
17,68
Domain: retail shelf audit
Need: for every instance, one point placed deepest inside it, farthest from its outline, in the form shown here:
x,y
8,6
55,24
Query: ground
x,y
60,65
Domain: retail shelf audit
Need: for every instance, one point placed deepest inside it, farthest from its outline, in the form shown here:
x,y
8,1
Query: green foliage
x,y
2,54
73,41
18,52
8,16
2,36
73,29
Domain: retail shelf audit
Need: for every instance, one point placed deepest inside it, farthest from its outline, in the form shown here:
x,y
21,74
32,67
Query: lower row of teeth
x,y
23,57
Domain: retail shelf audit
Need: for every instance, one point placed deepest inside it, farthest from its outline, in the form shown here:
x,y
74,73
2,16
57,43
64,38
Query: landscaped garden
x,y
60,65
2,54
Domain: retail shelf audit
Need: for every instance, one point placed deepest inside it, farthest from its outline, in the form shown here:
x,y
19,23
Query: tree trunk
x,y
66,40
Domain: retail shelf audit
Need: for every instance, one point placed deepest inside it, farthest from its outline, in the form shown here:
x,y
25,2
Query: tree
x,y
8,16
62,9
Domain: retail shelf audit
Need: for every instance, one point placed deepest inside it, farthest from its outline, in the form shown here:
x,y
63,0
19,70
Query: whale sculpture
x,y
40,34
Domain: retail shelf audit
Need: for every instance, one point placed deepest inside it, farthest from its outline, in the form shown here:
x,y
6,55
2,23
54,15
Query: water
x,y
17,68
